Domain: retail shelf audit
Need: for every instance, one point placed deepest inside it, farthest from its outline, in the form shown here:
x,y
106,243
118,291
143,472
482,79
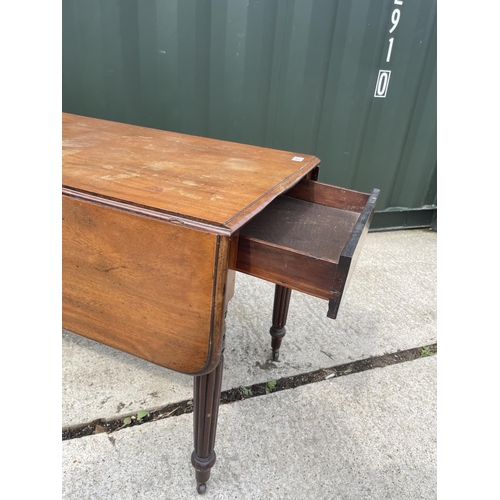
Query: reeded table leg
x,y
280,312
206,409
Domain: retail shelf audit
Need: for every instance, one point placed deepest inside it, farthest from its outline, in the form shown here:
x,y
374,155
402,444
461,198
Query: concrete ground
x,y
366,435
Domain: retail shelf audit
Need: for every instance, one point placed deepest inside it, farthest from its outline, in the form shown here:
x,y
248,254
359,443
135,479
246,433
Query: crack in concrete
x,y
258,389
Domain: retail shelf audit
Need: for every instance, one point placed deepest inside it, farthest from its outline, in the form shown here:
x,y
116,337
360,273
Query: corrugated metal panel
x,y
297,75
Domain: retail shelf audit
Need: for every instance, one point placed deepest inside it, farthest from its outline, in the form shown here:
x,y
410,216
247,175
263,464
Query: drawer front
x,y
308,239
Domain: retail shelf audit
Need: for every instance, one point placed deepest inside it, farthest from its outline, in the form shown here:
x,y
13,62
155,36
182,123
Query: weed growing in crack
x,y
425,351
245,390
141,414
271,384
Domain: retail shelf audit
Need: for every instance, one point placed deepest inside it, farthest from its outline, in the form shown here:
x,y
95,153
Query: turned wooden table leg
x,y
280,312
206,409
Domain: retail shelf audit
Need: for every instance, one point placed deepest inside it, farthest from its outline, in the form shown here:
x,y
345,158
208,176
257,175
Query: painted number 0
x,y
382,83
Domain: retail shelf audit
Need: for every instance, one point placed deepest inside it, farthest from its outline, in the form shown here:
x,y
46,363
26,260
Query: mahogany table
x,y
156,223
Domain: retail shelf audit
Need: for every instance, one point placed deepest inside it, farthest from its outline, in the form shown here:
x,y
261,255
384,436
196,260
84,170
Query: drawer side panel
x,y
286,267
330,196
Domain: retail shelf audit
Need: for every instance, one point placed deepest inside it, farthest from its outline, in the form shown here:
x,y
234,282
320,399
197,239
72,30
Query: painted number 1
x,y
389,52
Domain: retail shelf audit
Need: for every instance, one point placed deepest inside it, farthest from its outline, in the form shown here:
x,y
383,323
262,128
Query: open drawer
x,y
308,239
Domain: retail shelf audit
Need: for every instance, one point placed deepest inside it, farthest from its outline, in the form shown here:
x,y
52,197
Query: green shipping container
x,y
350,81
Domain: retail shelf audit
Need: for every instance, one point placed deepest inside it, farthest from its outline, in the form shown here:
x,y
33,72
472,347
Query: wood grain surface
x,y
302,244
295,244
216,182
147,287
315,230
330,196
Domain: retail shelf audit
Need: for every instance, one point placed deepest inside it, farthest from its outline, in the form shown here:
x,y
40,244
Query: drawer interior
x,y
318,231
307,239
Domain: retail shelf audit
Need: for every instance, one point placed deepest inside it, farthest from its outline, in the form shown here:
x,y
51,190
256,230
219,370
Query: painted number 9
x,y
396,14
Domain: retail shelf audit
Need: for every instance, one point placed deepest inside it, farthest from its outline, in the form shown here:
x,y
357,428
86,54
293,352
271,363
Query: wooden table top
x,y
214,182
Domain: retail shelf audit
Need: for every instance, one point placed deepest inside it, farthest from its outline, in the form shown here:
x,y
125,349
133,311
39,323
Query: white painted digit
x,y
389,52
398,2
382,83
396,14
